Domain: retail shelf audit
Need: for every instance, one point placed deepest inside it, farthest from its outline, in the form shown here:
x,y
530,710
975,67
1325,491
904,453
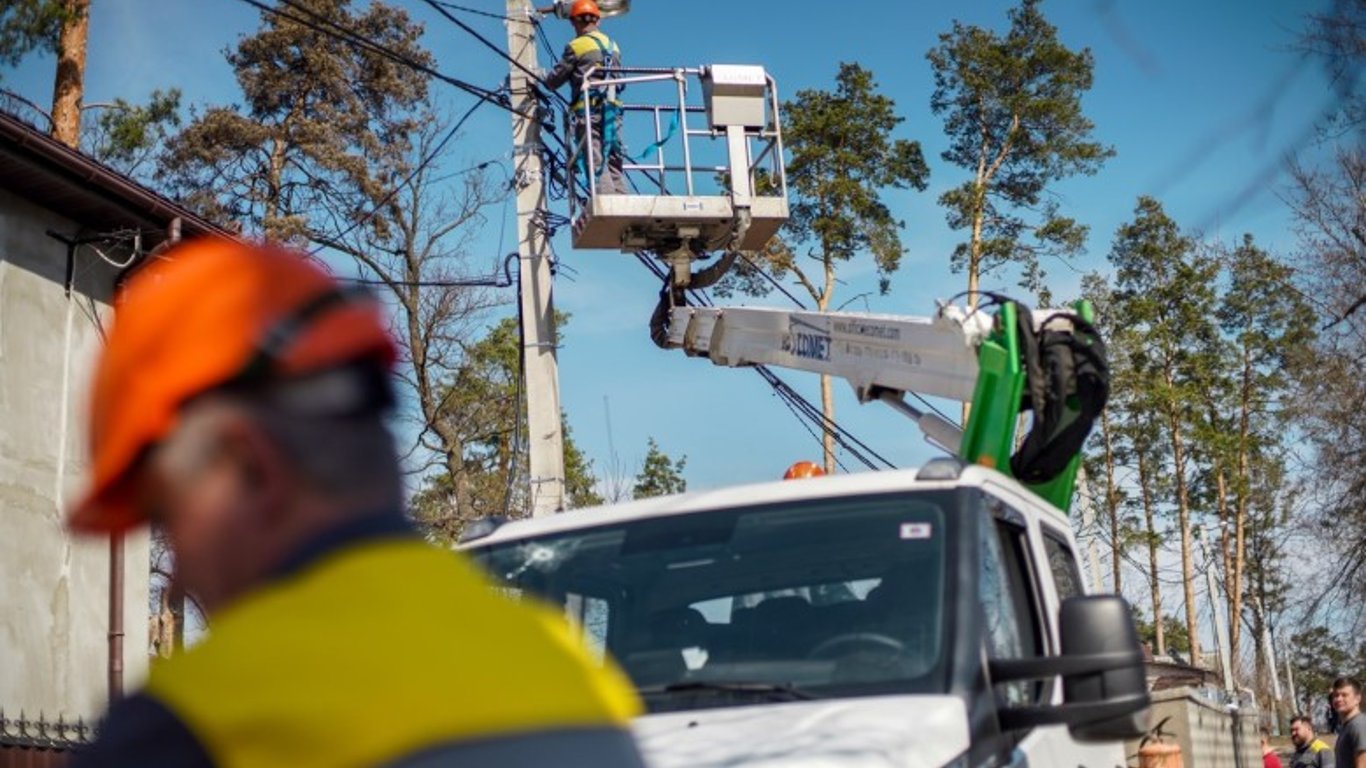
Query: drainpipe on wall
x,y
116,566
115,617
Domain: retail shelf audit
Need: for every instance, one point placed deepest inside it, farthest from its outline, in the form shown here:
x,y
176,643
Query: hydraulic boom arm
x,y
970,357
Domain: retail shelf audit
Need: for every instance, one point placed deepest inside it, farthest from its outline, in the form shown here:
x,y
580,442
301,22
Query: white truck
x,y
906,618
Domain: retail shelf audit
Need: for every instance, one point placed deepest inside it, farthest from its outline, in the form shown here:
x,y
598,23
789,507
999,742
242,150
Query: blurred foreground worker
x,y
239,404
592,48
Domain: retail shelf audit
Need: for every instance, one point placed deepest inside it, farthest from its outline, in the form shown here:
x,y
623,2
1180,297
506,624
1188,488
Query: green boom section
x,y
989,434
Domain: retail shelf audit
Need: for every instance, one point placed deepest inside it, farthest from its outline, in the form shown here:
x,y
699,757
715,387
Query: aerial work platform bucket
x,y
722,187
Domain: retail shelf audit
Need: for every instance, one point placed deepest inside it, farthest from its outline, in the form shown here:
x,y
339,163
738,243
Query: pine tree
x,y
843,161
1268,325
1164,292
1012,111
321,119
483,414
659,475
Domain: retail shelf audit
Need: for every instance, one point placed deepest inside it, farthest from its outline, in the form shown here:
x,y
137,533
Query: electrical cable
x,y
773,281
545,41
475,11
809,430
494,280
517,413
355,38
535,76
827,425
436,151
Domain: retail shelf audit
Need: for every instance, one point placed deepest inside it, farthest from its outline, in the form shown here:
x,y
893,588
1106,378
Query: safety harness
x,y
610,106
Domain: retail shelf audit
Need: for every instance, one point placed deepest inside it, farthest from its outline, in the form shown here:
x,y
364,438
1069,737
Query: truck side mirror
x,y
1105,696
1094,625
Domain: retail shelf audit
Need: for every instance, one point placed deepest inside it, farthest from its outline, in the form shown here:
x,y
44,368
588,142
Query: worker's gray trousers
x,y
611,178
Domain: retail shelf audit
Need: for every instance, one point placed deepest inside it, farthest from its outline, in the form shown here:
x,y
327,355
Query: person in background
x,y
1269,756
240,405
1346,702
1310,751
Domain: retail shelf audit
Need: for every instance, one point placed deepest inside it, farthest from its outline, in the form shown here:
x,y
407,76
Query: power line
x,y
355,38
333,241
487,44
501,279
791,396
474,11
803,408
772,281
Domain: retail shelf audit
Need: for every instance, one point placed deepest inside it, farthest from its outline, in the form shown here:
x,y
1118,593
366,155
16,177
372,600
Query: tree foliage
x,y
27,26
1164,292
1206,344
843,160
320,120
1331,224
659,475
481,404
128,136
1177,640
1012,111
1320,656
1337,37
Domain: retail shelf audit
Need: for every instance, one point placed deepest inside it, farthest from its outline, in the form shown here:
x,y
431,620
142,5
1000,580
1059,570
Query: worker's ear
x,y
262,467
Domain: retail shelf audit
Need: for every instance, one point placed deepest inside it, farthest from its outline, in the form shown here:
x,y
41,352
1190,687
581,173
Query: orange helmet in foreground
x,y
802,470
584,8
207,314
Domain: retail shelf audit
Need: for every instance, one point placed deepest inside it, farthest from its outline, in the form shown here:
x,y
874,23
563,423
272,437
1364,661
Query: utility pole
x,y
1220,631
1087,502
545,440
1290,683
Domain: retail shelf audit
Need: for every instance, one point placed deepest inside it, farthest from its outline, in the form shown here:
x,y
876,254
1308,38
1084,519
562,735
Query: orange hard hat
x,y
207,314
803,469
584,8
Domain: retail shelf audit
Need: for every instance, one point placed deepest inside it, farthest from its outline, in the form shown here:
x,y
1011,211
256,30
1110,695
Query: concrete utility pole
x,y
545,440
1220,631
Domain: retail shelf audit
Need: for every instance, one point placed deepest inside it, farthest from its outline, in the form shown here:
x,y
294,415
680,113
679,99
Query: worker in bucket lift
x,y
592,48
240,404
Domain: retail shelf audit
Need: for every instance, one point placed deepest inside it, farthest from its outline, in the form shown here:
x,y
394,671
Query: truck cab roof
x,y
938,474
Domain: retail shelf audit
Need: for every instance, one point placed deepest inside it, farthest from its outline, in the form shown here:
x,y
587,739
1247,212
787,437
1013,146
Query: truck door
x,y
1054,745
1010,612
1026,569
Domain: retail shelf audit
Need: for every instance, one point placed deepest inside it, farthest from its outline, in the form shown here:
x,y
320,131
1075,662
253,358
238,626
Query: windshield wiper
x,y
779,691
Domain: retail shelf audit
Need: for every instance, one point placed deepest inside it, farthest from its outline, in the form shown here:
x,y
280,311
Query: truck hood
x,y
865,732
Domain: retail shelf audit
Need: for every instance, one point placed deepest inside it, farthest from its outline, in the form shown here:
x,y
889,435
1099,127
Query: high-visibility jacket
x,y
1315,754
593,49
383,651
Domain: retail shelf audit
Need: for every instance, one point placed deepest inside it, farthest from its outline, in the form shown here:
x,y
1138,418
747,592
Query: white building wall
x,y
54,590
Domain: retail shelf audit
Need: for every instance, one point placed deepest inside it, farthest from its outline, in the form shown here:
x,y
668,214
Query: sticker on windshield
x,y
915,530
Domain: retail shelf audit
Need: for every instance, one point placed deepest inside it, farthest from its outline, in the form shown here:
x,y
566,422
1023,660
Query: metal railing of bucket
x,y
665,161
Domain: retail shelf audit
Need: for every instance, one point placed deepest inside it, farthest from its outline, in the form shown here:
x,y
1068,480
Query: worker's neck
x,y
314,519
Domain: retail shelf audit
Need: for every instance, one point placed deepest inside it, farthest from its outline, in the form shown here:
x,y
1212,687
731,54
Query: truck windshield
x,y
735,606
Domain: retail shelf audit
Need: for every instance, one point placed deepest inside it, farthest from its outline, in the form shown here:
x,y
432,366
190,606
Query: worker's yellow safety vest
x,y
383,650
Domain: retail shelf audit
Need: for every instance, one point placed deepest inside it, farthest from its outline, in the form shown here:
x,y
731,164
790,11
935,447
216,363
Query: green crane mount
x,y
1052,366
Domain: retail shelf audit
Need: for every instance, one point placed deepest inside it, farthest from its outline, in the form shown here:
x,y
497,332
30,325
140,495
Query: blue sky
x,y
1201,100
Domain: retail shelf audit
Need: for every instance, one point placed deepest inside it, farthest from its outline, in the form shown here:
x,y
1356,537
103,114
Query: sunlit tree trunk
x,y
69,86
